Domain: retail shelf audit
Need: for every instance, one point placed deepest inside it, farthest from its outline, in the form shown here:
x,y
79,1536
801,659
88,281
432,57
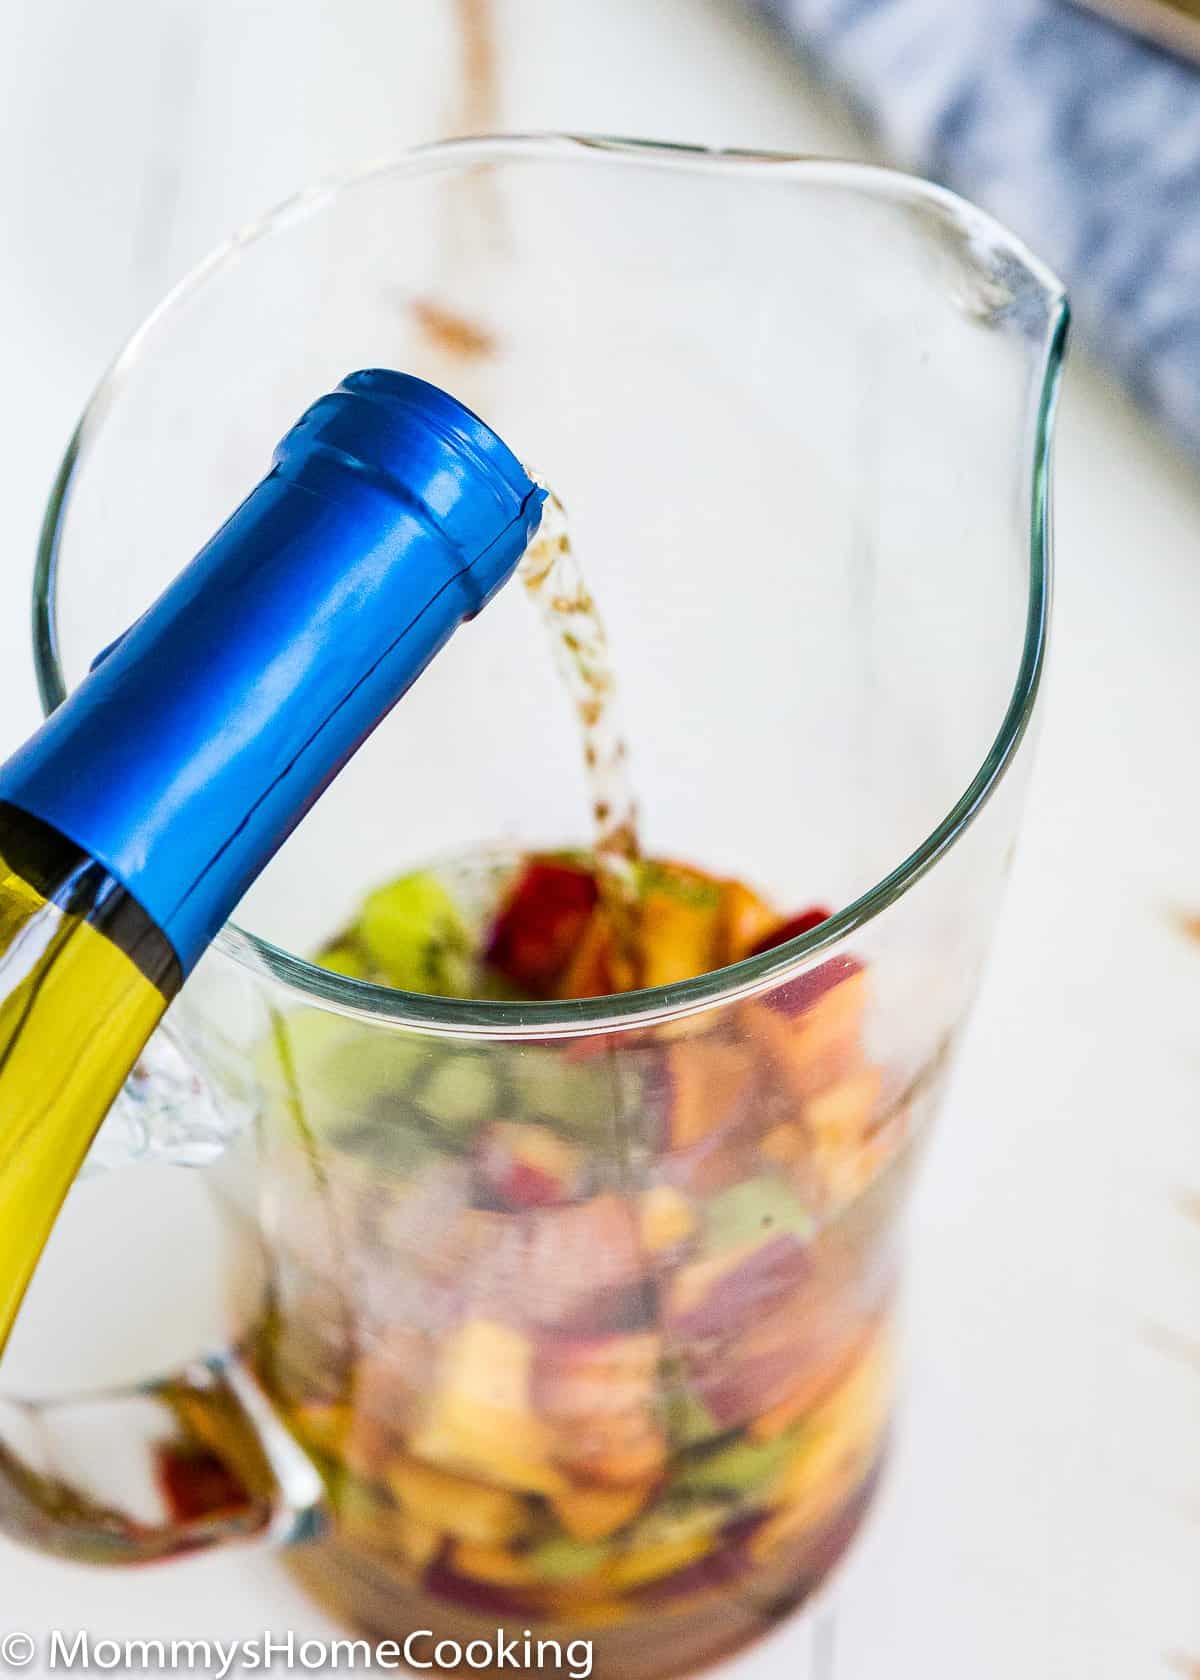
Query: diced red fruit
x,y
541,924
526,1165
710,1081
792,928
196,1484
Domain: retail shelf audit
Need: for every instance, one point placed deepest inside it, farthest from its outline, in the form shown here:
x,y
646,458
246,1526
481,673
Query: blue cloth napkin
x,y
1083,139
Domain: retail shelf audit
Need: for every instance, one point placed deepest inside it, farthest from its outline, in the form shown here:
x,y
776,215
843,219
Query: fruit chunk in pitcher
x,y
592,1331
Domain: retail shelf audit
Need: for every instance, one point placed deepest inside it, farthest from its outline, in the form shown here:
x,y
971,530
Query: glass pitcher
x,y
800,413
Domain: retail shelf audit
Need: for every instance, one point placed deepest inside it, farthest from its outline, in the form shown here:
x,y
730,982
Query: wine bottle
x,y
133,821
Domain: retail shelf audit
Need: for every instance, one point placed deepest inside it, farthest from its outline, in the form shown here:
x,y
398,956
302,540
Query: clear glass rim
x,y
318,986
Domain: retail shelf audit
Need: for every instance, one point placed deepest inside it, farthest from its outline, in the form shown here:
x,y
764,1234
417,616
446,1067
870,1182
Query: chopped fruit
x,y
609,1348
600,1397
480,1420
712,1296
494,1564
679,924
541,924
741,1468
527,1166
666,1217
746,919
594,1513
781,932
753,1211
459,1091
709,1084
413,934
818,1043
468,1510
567,1560
590,971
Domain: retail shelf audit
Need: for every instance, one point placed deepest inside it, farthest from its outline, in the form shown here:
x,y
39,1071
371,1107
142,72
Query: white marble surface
x,y
1043,1515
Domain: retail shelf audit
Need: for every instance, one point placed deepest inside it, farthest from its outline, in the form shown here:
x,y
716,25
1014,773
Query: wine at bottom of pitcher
x,y
587,1334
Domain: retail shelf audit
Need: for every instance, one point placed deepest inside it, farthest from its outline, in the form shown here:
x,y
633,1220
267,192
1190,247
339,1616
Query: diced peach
x,y
709,1082
480,1420
745,920
679,925
666,1217
466,1509
497,1565
820,1044
593,1513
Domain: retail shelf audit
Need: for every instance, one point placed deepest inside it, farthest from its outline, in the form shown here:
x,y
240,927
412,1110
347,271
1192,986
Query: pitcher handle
x,y
185,1462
